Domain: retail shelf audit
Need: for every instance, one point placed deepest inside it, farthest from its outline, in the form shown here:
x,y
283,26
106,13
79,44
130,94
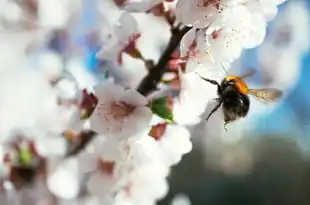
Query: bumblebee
x,y
233,96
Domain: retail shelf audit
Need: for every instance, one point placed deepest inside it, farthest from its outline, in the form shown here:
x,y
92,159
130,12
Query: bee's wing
x,y
248,74
266,95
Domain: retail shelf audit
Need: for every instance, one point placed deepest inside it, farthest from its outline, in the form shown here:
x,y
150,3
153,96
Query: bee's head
x,y
228,83
235,82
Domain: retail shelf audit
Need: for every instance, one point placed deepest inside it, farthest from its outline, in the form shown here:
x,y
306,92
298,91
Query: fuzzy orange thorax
x,y
239,83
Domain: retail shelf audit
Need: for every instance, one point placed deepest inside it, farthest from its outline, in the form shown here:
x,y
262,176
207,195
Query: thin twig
x,y
76,148
149,83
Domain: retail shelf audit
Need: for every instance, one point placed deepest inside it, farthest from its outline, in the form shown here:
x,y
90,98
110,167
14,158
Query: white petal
x,y
200,15
64,182
186,41
51,146
103,120
178,138
132,97
88,161
128,26
110,51
257,32
100,184
107,90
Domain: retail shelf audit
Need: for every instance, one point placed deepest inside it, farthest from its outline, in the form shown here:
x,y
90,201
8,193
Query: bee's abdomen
x,y
235,105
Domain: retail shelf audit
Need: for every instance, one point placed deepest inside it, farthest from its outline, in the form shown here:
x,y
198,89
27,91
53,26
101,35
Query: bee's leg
x,y
219,89
225,126
214,110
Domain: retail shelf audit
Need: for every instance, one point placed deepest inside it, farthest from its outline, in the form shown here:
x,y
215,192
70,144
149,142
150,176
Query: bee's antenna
x,y
213,61
224,69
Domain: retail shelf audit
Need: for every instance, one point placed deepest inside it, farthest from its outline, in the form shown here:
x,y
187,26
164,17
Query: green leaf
x,y
161,109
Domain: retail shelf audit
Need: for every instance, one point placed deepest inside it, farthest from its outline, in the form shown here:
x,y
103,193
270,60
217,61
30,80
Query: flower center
x,y
158,131
121,110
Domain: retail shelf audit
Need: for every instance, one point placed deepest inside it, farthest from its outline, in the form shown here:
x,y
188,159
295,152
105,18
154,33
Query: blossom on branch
x,y
224,28
116,141
120,39
120,113
167,135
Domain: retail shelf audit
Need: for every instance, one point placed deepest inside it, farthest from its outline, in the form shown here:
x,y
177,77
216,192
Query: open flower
x,y
174,141
120,39
85,104
227,36
64,180
268,8
225,33
56,14
125,169
195,92
120,113
203,12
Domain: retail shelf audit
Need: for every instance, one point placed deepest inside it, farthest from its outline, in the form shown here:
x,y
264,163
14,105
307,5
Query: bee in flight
x,y
233,95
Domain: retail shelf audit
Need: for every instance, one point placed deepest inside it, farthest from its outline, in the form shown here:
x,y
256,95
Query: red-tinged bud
x,y
158,131
176,54
106,166
132,41
130,48
174,64
192,49
128,188
158,10
215,34
7,158
175,84
170,102
88,104
215,3
119,2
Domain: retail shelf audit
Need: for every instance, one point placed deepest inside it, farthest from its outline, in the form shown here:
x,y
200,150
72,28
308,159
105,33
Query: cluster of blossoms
x,y
121,136
221,31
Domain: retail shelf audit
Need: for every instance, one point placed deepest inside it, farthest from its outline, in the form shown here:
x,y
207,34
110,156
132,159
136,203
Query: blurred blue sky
x,y
292,115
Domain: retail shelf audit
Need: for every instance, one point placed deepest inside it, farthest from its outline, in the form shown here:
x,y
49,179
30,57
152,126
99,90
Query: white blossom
x,y
56,14
64,180
174,143
118,38
120,113
195,92
203,12
127,170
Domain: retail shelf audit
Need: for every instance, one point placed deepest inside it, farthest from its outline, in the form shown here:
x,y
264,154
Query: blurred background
x,y
264,159
261,160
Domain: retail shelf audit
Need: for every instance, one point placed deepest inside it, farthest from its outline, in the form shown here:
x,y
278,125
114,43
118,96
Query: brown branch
x,y
76,148
149,83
